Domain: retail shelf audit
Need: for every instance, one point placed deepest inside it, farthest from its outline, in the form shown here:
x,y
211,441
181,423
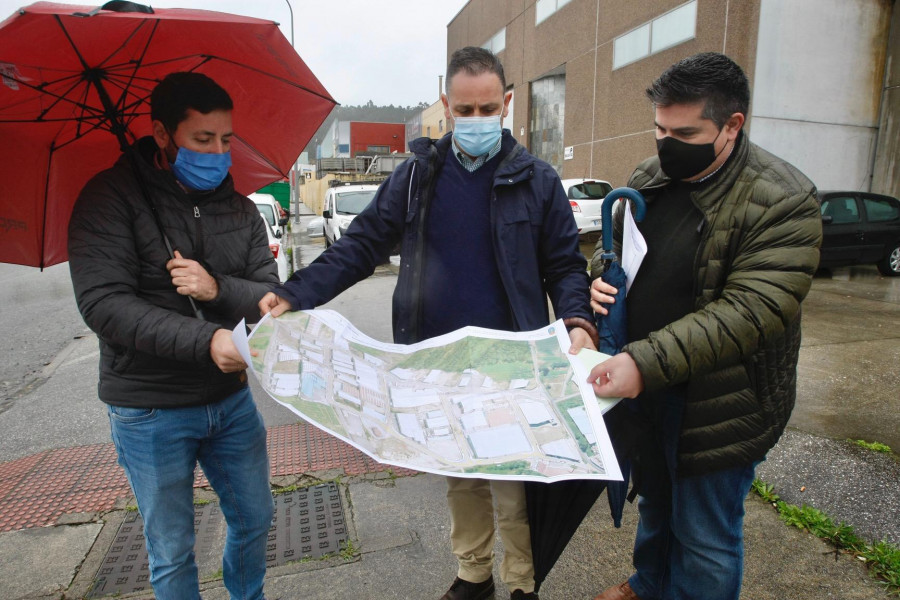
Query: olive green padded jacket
x,y
738,351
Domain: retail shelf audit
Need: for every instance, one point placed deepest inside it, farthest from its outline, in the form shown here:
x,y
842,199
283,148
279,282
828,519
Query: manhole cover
x,y
308,523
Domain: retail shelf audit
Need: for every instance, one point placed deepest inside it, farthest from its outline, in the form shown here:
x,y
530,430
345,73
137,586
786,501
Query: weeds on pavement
x,y
882,558
873,446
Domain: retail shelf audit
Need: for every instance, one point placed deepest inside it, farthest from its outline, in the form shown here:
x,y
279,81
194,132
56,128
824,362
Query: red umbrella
x,y
75,85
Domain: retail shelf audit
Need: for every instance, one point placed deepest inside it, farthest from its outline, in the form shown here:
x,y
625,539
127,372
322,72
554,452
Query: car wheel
x,y
890,264
327,242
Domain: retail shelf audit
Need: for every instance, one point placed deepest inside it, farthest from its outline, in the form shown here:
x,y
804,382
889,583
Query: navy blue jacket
x,y
534,236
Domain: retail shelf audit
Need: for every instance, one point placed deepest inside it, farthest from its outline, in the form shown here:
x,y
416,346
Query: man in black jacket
x,y
174,383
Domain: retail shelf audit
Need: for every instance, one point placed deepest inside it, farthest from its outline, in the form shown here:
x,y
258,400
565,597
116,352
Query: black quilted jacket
x,y
738,351
153,351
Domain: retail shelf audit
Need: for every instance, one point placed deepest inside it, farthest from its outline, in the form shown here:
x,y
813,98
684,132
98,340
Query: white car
x,y
586,197
342,203
277,251
269,208
315,227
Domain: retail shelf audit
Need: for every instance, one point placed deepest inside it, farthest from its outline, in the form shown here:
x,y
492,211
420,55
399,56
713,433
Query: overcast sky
x,y
387,51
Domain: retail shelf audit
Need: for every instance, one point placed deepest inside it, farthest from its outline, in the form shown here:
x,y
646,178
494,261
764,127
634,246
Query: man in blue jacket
x,y
486,233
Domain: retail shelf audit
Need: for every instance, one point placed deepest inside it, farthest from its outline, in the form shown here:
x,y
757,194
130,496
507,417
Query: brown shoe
x,y
622,591
466,590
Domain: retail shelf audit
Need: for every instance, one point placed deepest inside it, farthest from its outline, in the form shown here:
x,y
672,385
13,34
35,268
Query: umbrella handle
x,y
606,211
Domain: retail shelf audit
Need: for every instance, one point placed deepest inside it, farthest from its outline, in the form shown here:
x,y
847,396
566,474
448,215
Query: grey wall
x,y
886,179
818,86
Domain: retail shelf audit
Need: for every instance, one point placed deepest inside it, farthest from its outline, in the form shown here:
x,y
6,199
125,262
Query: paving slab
x,y
44,561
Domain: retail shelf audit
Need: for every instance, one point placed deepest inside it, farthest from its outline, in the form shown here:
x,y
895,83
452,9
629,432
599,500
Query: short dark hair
x,y
474,61
177,92
708,77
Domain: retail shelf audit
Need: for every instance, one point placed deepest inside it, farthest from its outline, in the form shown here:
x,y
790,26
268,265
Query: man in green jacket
x,y
713,318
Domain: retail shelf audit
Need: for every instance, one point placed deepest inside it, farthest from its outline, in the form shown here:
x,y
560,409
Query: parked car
x,y
859,228
277,250
269,208
586,197
342,204
315,227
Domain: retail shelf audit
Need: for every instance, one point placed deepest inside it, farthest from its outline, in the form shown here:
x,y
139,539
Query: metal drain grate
x,y
308,523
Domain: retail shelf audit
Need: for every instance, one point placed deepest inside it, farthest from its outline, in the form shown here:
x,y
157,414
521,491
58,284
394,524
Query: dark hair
x,y
177,92
707,77
475,61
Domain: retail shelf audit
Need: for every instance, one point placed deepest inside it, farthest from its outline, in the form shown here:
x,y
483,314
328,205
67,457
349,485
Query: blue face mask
x,y
476,135
199,170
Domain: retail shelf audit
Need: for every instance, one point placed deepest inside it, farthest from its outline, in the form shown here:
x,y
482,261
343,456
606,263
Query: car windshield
x,y
353,203
594,190
268,212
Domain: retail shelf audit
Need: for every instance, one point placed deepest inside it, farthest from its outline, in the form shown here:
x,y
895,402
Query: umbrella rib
x,y
278,77
41,89
120,104
261,155
71,42
46,196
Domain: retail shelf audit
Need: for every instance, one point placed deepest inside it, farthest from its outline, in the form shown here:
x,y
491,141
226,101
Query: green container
x,y
281,191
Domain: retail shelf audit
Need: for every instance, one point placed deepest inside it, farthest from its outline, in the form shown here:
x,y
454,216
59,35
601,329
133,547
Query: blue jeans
x,y
159,449
690,540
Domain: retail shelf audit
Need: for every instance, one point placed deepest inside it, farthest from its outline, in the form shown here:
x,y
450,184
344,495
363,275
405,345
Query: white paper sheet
x,y
634,248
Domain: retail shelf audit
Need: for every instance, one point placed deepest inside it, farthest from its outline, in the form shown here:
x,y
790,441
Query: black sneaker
x,y
466,590
520,595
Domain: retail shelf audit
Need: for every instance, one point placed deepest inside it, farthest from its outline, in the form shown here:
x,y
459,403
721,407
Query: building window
x,y
548,115
441,126
545,8
378,149
665,31
497,43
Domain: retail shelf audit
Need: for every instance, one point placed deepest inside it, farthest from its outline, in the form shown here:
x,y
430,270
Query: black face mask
x,y
680,160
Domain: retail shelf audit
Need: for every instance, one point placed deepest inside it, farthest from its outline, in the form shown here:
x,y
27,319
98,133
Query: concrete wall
x,y
608,121
817,69
818,86
886,177
433,121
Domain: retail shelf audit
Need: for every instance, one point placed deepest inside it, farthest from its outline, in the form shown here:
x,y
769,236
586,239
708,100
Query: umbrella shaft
x,y
95,77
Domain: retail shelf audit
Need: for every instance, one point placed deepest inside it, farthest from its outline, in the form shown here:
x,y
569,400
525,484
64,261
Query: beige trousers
x,y
471,504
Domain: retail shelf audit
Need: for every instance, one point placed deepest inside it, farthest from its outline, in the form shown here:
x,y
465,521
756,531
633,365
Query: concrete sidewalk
x,y
399,527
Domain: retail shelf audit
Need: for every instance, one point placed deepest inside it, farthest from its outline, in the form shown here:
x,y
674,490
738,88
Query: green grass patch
x,y
563,408
882,558
873,446
515,467
320,413
498,359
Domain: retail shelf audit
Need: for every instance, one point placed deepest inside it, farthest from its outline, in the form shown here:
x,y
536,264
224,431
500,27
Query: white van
x,y
342,203
269,208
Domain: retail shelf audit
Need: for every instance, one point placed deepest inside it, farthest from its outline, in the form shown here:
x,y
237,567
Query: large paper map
x,y
471,403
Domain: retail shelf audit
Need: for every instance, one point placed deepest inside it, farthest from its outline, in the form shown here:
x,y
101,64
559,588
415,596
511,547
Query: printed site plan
x,y
471,403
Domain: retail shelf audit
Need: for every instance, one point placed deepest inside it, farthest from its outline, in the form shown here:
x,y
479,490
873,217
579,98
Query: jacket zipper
x,y
198,237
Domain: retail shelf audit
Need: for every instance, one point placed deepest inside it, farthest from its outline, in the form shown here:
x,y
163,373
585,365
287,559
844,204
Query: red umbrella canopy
x,y
75,85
